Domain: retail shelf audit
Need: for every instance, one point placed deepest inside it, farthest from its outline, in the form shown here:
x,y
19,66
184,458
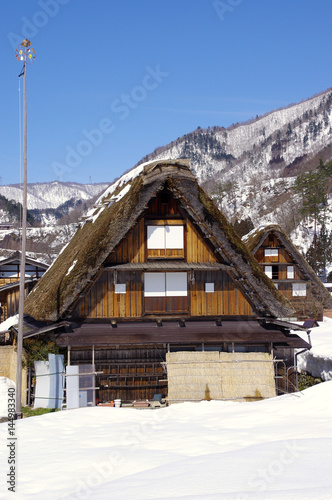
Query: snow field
x,y
279,448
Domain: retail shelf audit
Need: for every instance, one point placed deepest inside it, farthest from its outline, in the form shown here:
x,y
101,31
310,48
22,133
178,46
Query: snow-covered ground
x,y
318,361
279,448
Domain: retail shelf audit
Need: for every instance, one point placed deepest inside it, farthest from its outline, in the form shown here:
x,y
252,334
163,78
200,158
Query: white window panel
x,y
209,287
120,288
290,272
268,271
276,285
174,237
156,237
176,284
271,252
154,285
299,290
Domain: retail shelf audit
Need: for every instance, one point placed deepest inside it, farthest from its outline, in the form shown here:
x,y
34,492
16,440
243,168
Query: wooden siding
x,y
225,300
102,302
198,248
132,249
10,300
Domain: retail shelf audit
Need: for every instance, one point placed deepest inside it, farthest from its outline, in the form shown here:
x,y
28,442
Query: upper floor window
x,y
271,252
165,241
165,237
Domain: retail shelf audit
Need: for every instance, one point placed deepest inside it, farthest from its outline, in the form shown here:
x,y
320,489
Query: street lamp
x,y
24,52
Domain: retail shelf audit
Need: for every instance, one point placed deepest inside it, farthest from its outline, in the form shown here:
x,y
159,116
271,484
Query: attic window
x,y
165,237
271,252
164,197
299,290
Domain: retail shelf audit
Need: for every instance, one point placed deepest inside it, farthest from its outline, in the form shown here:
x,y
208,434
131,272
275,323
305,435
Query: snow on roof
x,y
255,230
71,267
11,321
124,179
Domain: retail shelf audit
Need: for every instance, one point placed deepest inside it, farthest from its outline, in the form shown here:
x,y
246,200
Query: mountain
x,y
42,195
250,167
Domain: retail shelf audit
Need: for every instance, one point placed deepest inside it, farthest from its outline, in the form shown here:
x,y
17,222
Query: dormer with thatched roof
x,y
289,271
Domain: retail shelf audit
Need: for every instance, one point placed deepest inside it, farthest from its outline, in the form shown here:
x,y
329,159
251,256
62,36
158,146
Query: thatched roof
x,y
116,213
256,238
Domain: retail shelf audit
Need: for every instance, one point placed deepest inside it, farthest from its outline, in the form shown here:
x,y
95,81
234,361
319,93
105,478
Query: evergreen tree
x,y
319,254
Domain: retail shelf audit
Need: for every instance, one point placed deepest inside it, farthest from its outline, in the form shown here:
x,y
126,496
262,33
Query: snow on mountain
x,y
256,163
52,194
249,169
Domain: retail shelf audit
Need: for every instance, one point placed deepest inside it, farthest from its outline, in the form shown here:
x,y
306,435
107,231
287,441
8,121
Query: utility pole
x,y
26,54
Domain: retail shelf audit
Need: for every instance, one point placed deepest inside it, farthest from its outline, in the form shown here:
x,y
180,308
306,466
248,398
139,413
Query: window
x,y
120,288
165,284
271,252
165,293
268,271
165,237
299,290
290,272
209,287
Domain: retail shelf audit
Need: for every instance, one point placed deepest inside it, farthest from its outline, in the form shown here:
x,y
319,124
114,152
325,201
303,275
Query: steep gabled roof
x,y
256,238
117,211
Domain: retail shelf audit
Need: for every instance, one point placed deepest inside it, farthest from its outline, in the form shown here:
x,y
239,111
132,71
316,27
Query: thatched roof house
x,y
156,267
115,215
289,270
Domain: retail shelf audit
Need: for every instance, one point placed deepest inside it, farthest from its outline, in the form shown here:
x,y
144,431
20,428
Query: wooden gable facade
x,y
155,269
289,272
164,267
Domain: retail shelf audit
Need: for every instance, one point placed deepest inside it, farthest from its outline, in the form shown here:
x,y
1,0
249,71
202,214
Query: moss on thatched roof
x,y
116,213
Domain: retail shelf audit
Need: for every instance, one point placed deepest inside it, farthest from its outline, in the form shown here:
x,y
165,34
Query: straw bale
x,y
214,375
247,375
193,376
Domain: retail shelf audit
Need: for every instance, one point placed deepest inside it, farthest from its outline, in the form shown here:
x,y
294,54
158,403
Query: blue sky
x,y
113,80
